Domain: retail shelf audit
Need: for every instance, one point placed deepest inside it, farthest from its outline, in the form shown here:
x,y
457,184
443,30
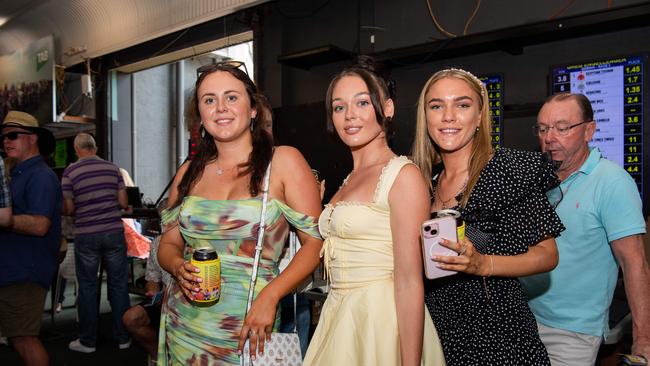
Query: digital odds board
x,y
494,86
615,88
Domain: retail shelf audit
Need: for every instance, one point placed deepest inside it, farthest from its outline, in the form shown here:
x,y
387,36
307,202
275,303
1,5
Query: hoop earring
x,y
202,128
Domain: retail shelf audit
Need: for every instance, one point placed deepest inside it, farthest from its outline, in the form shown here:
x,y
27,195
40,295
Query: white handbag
x,y
284,348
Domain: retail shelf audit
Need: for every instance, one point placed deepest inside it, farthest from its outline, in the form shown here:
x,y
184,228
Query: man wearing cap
x,y
29,246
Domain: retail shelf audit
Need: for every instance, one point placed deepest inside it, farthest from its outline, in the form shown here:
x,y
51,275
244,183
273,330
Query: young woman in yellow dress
x,y
374,313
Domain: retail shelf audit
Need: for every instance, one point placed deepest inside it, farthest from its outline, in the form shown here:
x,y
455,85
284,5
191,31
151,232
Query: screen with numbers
x,y
494,86
615,88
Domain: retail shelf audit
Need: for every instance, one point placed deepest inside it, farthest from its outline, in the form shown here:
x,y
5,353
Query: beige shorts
x,y
566,348
21,309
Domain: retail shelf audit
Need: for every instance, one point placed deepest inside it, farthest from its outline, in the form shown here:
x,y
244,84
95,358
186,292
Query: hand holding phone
x,y
433,231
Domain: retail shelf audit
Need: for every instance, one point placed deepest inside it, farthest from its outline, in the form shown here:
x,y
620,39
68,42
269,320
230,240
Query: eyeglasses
x,y
562,128
234,64
13,135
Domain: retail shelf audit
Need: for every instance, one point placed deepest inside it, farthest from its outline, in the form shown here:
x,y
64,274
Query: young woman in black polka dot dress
x,y
481,313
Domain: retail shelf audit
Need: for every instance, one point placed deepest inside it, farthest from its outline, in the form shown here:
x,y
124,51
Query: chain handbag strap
x,y
293,239
260,239
258,252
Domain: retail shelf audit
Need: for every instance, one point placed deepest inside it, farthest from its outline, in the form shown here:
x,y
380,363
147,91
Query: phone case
x,y
433,231
632,360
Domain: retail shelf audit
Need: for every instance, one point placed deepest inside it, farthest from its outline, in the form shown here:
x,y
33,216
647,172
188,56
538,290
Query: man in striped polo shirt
x,y
94,192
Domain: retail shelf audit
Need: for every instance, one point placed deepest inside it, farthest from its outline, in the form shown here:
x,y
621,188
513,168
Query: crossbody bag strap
x,y
293,239
260,238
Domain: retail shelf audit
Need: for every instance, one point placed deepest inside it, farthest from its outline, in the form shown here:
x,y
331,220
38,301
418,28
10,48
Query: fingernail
x,y
199,279
253,357
197,270
238,352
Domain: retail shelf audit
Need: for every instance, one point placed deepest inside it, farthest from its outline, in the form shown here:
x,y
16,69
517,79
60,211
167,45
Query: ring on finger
x,y
252,333
463,250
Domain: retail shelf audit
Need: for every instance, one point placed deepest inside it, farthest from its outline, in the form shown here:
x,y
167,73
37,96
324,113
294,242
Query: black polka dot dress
x,y
486,321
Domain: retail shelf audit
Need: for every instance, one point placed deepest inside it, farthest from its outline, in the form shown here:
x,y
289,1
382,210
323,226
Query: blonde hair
x,y
426,153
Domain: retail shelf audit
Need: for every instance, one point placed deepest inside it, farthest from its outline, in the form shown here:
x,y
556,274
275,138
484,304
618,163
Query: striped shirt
x,y
93,184
5,195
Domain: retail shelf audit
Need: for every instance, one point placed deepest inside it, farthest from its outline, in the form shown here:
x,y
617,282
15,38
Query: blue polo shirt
x,y
600,204
35,190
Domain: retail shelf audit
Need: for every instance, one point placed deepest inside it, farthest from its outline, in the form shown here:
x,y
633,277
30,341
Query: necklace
x,y
445,203
221,170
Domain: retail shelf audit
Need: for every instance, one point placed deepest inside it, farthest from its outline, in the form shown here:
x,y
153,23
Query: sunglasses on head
x,y
13,135
234,64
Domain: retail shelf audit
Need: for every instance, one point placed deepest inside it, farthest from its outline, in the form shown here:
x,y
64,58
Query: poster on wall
x,y
27,80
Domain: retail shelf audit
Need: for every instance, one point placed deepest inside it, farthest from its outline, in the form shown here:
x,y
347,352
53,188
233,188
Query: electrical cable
x,y
171,42
440,44
471,17
438,26
562,9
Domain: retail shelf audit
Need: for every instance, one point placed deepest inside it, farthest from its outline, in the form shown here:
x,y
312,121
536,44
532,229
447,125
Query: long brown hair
x,y
426,153
207,150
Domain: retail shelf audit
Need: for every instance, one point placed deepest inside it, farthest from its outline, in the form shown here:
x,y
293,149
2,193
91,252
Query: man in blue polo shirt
x,y
600,206
5,196
29,248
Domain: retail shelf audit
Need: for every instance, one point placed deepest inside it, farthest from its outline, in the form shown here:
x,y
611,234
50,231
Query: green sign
x,y
42,57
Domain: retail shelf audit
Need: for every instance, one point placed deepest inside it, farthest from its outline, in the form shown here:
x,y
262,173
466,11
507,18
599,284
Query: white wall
x,y
154,128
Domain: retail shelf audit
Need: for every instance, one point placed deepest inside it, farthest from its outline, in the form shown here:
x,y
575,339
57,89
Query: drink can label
x,y
460,223
460,230
210,271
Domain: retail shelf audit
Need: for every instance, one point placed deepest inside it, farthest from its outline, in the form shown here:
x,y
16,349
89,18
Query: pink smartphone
x,y
433,231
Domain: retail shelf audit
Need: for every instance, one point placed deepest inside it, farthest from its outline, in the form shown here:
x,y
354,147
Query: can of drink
x,y
209,264
460,224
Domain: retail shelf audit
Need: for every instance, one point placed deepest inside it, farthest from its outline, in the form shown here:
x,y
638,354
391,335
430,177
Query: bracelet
x,y
491,266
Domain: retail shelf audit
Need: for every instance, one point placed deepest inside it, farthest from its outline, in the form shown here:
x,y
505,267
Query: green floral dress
x,y
191,335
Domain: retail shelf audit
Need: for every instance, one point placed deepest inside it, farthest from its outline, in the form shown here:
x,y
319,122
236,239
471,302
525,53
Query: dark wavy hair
x,y
380,88
206,150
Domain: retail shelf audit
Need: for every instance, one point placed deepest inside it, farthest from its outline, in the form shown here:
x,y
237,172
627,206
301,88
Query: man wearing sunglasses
x,y
29,246
600,206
